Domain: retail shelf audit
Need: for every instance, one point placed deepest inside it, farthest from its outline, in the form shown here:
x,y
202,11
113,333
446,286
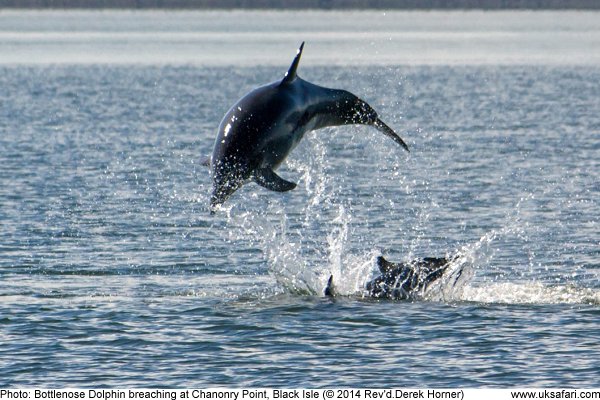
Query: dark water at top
x,y
114,273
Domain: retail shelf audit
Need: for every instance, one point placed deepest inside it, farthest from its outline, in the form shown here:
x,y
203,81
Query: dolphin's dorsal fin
x,y
384,265
291,74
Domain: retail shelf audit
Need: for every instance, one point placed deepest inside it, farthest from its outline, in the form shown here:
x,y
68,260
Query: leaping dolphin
x,y
261,129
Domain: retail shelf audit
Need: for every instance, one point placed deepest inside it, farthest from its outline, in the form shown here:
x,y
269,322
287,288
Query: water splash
x,y
336,241
350,272
305,239
530,293
302,249
501,287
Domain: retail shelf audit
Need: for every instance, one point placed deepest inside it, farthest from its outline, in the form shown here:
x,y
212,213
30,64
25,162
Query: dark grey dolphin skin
x,y
401,281
261,129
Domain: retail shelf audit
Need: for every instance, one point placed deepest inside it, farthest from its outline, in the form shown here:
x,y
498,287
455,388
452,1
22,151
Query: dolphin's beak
x,y
387,131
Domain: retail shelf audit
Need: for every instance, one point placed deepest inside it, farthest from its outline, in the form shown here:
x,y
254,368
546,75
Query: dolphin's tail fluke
x,y
291,74
382,127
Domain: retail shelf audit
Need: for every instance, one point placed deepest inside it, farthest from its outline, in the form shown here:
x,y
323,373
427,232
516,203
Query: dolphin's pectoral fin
x,y
267,178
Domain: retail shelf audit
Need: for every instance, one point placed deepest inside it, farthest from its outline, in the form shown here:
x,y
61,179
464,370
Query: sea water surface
x,y
114,273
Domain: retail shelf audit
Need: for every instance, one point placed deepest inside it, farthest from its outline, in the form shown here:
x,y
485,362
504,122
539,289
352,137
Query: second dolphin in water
x,y
403,281
261,129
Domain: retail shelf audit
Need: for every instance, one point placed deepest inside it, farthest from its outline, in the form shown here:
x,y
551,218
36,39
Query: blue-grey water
x,y
114,273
